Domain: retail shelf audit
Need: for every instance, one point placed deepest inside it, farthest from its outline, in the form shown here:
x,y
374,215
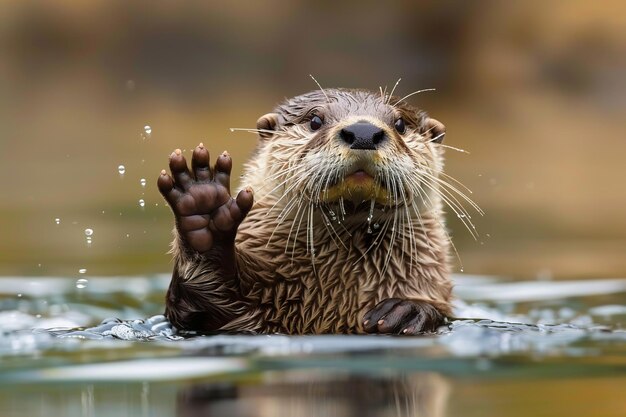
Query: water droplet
x,y
142,203
142,182
57,221
370,216
38,316
369,230
461,269
82,271
148,130
376,226
121,169
460,216
232,129
88,234
19,296
127,235
81,283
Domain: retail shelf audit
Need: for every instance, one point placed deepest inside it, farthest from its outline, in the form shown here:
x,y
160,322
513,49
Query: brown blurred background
x,y
536,91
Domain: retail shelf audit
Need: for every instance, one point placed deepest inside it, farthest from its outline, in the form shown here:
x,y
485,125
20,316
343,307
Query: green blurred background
x,y
535,91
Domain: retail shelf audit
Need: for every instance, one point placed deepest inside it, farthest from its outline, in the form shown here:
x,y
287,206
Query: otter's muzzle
x,y
363,135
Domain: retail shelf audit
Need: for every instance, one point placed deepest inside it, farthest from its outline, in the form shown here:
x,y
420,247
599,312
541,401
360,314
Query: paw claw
x,y
403,317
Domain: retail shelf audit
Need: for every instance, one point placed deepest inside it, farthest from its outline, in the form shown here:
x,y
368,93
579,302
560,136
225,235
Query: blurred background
x,y
535,91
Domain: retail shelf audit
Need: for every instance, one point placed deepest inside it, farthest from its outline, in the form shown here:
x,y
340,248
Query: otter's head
x,y
349,150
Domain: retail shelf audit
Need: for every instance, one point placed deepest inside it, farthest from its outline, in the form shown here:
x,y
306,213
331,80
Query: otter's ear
x,y
435,129
267,125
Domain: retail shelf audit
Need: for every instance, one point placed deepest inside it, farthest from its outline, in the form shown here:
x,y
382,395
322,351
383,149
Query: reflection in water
x,y
303,393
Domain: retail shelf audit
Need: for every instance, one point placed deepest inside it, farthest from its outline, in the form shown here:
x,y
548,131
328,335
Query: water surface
x,y
516,348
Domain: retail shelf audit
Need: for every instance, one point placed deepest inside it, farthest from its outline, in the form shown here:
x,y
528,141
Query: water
x,y
516,348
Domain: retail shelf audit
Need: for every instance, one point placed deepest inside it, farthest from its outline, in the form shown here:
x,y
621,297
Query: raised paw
x,y
397,316
206,214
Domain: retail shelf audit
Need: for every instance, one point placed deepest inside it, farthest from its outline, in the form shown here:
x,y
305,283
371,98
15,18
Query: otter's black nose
x,y
362,135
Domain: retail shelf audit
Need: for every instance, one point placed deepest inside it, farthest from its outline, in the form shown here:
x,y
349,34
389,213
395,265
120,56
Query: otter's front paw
x,y
397,316
206,214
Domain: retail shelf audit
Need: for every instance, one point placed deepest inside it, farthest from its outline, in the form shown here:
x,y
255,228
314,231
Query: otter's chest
x,y
328,293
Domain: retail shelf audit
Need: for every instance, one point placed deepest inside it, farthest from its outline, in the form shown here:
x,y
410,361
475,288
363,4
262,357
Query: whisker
x,y
451,178
413,93
416,189
449,188
392,90
437,137
299,221
445,231
331,230
291,204
394,225
454,149
287,191
250,130
412,243
453,203
460,211
318,84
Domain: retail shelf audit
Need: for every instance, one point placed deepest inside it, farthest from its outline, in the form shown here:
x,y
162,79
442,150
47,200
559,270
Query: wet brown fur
x,y
291,283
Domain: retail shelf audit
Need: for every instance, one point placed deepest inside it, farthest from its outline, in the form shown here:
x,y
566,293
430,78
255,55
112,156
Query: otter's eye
x,y
316,122
400,126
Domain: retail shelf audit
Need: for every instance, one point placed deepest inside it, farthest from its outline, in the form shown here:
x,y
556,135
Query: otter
x,y
339,227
